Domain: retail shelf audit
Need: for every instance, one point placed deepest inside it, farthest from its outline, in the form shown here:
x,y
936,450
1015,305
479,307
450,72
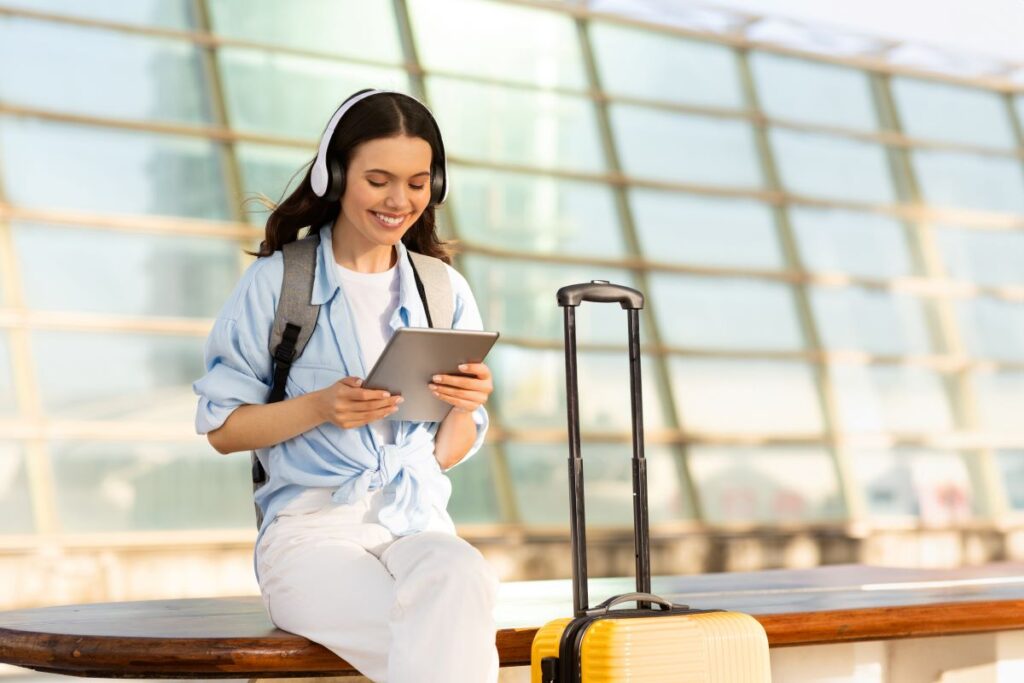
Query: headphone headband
x,y
319,178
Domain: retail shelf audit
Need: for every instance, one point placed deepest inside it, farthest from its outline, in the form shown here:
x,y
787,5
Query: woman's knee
x,y
453,559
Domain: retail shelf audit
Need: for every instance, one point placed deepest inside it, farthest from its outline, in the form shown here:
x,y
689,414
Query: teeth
x,y
388,220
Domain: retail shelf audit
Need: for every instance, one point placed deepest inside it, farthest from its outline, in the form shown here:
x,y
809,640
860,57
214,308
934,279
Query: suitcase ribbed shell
x,y
716,647
545,644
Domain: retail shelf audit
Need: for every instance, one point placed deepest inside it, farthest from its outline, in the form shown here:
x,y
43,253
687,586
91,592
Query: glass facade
x,y
833,258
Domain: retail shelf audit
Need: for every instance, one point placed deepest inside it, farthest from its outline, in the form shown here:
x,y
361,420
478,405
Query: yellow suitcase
x,y
634,645
658,642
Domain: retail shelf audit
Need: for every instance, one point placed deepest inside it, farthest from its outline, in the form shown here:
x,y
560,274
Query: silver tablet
x,y
414,355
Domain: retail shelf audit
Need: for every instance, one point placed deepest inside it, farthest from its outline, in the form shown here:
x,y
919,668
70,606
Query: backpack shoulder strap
x,y
294,321
295,317
435,287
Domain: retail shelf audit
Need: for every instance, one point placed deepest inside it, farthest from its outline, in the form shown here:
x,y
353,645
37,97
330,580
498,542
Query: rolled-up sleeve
x,y
236,355
230,380
467,317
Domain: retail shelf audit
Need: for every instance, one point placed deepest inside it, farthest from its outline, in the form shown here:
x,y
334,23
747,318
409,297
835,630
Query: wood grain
x,y
233,637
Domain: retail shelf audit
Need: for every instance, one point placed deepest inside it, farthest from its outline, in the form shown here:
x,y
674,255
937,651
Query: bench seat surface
x,y
233,637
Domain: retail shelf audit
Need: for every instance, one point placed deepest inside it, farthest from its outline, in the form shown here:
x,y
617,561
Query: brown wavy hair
x,y
384,115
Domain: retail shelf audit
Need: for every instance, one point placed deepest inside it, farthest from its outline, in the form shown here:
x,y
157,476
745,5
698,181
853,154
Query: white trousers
x,y
400,609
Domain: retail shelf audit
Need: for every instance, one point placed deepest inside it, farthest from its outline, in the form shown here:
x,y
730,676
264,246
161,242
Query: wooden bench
x,y
233,637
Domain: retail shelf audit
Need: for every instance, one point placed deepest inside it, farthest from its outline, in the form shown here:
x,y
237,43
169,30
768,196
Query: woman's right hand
x,y
347,405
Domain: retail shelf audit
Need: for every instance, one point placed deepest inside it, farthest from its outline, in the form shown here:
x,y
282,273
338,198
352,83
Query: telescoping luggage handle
x,y
632,301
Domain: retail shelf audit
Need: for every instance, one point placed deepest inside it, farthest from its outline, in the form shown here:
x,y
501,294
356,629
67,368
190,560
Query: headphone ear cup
x,y
437,181
335,180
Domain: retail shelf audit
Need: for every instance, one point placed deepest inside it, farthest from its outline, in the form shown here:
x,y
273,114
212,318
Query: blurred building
x,y
829,229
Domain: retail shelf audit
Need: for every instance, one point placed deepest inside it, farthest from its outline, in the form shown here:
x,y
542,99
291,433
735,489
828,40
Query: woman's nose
x,y
396,198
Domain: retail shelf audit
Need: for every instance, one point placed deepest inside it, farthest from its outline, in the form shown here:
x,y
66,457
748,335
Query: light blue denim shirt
x,y
238,372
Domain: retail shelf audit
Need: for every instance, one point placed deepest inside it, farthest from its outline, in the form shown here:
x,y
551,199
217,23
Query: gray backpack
x,y
295,317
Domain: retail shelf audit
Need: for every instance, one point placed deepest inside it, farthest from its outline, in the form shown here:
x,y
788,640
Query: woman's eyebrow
x,y
392,175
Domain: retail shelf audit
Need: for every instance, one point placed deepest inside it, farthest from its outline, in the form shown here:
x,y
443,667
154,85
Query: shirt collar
x,y
326,283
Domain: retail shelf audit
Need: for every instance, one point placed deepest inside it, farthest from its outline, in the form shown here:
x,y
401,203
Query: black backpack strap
x,y
294,321
284,354
295,317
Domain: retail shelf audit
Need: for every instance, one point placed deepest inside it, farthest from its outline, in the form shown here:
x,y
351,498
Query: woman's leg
x,y
330,589
442,626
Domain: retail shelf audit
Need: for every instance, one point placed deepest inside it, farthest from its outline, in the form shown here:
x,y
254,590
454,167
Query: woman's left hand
x,y
466,394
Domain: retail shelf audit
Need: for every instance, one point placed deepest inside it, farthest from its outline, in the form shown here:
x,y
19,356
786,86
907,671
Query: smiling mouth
x,y
386,223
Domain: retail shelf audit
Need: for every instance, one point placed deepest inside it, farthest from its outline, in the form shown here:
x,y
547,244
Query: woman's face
x,y
387,187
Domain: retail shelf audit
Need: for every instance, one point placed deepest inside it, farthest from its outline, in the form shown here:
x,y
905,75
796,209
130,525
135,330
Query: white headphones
x,y
327,178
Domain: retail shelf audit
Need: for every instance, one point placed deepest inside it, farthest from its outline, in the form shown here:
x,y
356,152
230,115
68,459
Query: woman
x,y
356,550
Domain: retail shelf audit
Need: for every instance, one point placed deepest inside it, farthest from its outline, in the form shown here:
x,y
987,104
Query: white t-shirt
x,y
373,298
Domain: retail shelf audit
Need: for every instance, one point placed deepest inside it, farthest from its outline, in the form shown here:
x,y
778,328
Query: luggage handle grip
x,y
607,605
600,291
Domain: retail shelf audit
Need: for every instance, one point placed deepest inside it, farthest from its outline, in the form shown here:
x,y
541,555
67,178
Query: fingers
x,y
465,394
363,407
478,369
357,394
462,405
467,400
351,418
376,405
379,414
472,383
355,406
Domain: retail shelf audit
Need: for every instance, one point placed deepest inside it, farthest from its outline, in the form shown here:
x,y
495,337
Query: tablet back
x,y
414,355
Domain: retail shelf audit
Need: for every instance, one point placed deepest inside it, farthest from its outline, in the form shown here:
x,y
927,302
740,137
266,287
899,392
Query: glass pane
x,y
110,170
759,485
941,111
682,148
1000,396
890,399
315,87
986,257
530,389
725,313
976,182
932,486
506,42
506,210
351,28
272,171
518,299
1011,465
1018,103
681,228
872,320
513,126
542,484
633,62
8,403
99,72
103,376
164,13
16,515
812,92
131,274
115,486
746,397
474,497
993,328
862,244
830,167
